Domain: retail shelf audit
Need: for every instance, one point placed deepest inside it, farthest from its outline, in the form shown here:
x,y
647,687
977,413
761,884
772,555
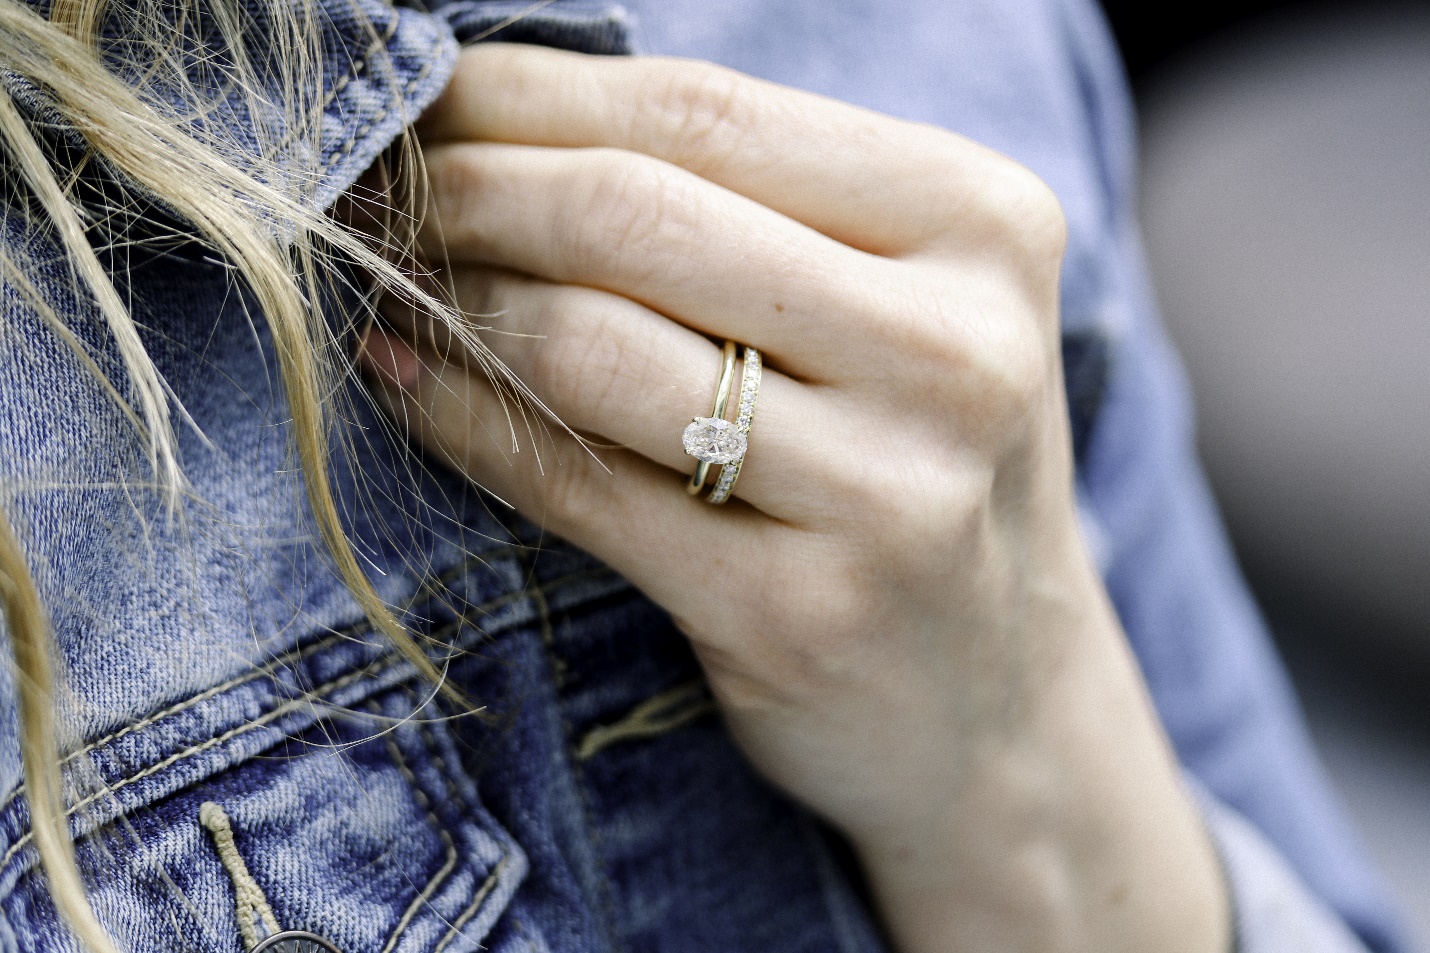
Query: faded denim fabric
x,y
596,804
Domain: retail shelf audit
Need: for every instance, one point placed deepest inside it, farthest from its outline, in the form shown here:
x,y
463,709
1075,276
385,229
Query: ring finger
x,y
607,365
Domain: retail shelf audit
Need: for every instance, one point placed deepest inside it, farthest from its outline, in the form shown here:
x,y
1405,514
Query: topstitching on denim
x,y
556,667
426,590
454,850
450,864
355,70
465,917
386,668
422,728
661,713
453,796
690,843
482,889
178,756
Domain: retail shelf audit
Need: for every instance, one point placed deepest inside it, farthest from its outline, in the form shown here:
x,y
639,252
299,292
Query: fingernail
x,y
390,359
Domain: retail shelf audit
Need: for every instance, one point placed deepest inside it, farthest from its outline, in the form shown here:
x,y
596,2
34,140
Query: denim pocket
x,y
347,801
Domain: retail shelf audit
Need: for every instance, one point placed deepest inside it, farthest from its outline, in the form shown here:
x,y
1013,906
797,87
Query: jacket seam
x,y
351,142
272,666
449,865
354,70
429,588
385,661
557,668
173,759
471,909
481,890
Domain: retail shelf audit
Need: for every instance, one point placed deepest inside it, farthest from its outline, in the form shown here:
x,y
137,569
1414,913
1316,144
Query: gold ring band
x,y
715,441
722,400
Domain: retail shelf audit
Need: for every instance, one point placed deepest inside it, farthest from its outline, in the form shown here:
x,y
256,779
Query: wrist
x,y
1071,834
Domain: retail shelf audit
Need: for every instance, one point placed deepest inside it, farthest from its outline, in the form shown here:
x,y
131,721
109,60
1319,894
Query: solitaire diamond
x,y
714,440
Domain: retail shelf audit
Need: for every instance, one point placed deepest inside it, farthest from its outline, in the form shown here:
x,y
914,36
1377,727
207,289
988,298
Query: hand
x,y
896,612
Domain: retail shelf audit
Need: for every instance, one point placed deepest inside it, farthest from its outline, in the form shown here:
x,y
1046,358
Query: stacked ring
x,y
744,417
704,438
716,441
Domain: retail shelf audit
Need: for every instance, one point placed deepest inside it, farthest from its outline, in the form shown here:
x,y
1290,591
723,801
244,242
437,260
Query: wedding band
x,y
715,441
704,438
744,417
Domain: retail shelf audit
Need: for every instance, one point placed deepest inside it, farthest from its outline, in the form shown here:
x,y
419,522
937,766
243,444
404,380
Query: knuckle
x,y
1026,217
1001,387
996,406
706,108
978,348
907,498
457,182
1011,374
880,499
924,512
856,488
909,318
624,218
586,354
566,490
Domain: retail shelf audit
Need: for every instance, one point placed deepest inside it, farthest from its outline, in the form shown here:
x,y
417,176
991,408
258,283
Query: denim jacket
x,y
595,803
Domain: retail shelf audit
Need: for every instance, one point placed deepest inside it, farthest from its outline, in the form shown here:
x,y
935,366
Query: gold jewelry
x,y
707,438
745,416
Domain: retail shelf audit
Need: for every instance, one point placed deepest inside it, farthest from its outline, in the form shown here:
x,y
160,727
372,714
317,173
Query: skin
x,y
896,613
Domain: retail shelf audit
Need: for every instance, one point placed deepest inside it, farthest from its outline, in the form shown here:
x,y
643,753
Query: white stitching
x,y
470,911
380,665
446,869
346,79
258,722
268,668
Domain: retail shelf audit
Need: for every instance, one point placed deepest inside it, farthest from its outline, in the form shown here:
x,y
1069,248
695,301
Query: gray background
x,y
1286,207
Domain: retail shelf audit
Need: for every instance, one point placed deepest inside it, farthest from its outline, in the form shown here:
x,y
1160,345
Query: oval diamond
x,y
714,440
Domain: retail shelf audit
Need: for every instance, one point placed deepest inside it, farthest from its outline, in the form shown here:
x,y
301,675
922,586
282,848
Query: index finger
x,y
872,182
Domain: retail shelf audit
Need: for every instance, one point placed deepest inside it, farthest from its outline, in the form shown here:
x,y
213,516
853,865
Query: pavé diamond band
x,y
703,439
744,416
715,441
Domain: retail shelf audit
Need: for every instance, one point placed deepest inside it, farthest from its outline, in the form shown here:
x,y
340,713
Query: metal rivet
x,y
295,941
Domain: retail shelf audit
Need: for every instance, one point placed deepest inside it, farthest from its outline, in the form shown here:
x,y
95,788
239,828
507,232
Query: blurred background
x,y
1286,207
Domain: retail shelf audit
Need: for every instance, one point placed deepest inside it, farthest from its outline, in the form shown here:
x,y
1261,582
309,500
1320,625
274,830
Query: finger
x,y
608,366
629,512
869,181
648,231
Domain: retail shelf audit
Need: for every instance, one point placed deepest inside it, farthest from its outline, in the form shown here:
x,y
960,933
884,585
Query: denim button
x,y
295,941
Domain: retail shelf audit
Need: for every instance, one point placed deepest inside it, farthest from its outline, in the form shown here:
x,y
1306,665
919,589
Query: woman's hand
x,y
896,612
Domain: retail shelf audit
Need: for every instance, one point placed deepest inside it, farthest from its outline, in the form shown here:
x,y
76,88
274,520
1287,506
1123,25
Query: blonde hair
x,y
253,206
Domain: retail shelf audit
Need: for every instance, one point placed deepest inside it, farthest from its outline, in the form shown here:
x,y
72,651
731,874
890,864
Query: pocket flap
x,y
348,804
